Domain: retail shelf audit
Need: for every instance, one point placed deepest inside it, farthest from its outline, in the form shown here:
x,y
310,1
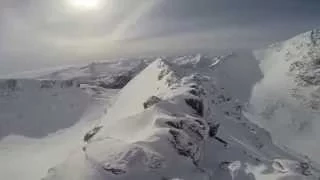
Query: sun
x,y
85,4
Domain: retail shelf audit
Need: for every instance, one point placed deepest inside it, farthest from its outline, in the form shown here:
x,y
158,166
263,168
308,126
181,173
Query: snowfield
x,y
169,118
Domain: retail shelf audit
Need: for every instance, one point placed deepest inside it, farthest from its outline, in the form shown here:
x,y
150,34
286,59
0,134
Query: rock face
x,y
91,133
151,101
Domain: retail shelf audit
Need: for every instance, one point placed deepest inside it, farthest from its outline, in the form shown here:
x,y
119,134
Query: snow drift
x,y
287,99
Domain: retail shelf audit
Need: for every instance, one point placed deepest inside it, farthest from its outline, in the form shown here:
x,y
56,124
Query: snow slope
x,y
287,100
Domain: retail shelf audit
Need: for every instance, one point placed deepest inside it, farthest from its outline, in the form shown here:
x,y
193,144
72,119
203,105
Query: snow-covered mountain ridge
x,y
158,129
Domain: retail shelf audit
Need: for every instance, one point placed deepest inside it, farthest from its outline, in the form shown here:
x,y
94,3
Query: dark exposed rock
x,y
225,143
155,162
91,133
187,149
305,169
162,74
151,101
309,80
213,130
178,145
115,171
296,66
197,92
47,84
67,84
194,86
170,81
195,128
222,98
315,36
121,81
224,165
176,125
199,122
11,84
104,85
117,82
194,92
196,104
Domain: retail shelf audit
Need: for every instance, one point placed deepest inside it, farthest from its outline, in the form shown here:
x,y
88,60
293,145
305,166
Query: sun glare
x,y
85,4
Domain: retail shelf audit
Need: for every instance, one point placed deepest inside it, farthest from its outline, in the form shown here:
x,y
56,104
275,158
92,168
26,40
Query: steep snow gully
x,y
172,118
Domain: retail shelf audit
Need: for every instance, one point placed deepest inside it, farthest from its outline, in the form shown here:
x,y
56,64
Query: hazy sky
x,y
40,33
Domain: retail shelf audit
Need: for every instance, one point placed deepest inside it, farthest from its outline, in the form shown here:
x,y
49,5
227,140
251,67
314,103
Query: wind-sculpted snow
x,y
287,100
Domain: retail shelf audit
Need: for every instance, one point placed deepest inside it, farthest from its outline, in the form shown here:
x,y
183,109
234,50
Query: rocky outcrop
x,y
151,101
91,133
